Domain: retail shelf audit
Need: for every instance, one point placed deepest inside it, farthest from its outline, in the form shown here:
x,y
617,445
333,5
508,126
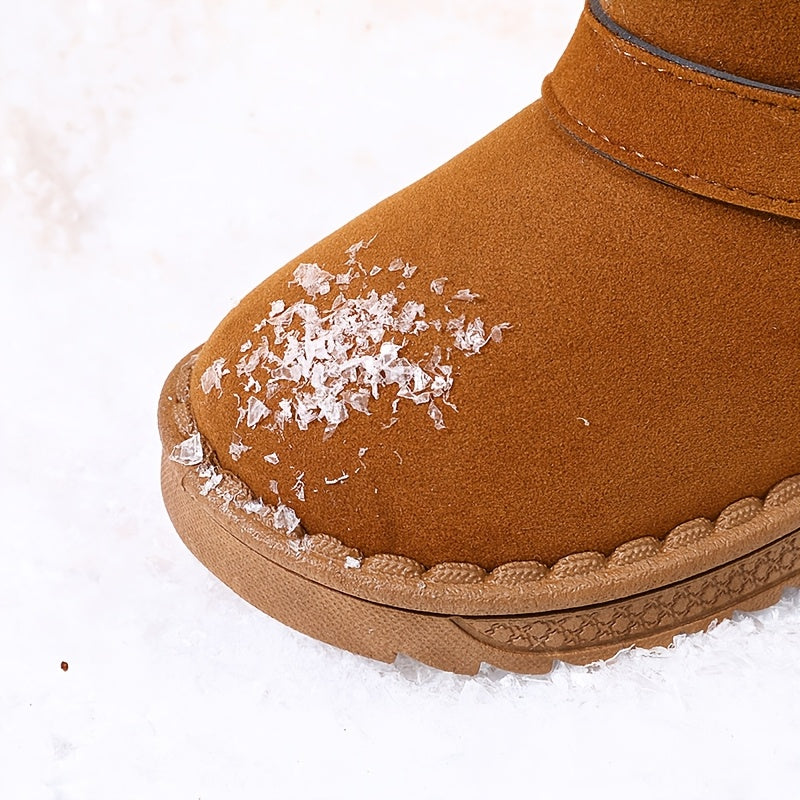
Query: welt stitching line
x,y
781,493
671,73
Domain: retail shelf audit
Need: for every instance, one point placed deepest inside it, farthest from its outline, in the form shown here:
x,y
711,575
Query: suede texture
x,y
666,320
757,40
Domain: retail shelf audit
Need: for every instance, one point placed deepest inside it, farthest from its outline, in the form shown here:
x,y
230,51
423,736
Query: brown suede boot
x,y
545,402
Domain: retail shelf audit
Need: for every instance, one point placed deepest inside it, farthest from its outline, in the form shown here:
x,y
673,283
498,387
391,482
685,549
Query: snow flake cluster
x,y
189,452
306,364
321,365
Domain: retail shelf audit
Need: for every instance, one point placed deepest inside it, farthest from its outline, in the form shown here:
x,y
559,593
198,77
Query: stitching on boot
x,y
689,175
606,38
676,170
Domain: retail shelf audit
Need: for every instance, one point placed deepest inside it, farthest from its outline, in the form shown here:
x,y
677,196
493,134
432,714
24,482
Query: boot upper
x,y
532,351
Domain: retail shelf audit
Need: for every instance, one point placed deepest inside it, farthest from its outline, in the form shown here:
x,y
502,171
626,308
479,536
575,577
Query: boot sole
x,y
520,617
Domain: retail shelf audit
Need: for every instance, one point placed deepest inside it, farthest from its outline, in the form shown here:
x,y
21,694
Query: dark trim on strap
x,y
602,17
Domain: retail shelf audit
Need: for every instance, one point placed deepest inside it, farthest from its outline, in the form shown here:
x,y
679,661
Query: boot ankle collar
x,y
690,126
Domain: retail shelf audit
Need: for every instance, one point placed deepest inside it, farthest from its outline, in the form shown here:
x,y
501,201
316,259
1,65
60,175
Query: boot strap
x,y
705,131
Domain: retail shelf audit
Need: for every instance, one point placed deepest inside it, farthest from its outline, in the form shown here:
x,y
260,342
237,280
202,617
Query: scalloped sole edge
x,y
455,617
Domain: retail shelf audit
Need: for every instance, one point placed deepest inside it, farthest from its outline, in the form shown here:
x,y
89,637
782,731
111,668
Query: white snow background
x,y
157,160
